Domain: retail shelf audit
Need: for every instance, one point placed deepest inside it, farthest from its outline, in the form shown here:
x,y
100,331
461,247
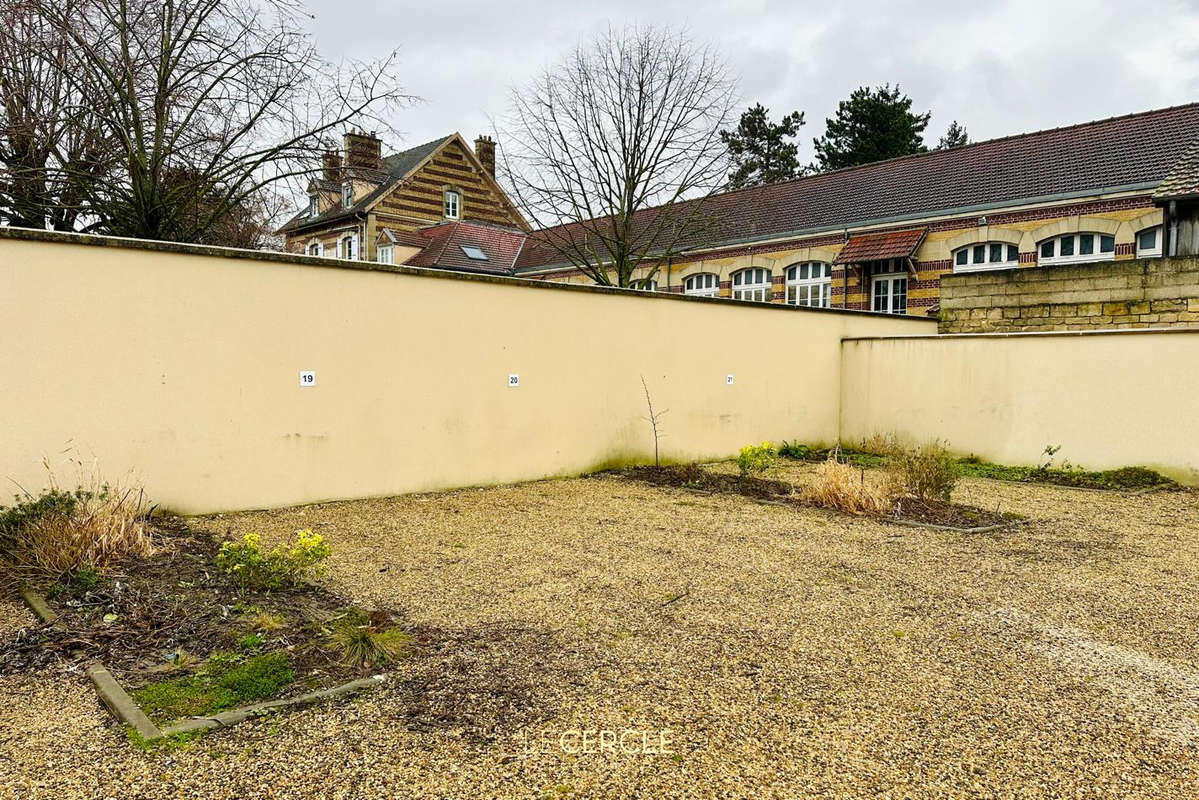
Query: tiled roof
x,y
879,246
397,167
1130,151
1183,180
445,243
407,238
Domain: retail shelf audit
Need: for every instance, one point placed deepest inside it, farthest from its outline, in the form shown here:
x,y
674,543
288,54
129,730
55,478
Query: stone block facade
x,y
1139,293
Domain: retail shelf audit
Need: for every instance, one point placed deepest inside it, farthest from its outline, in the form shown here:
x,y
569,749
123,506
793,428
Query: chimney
x,y
485,150
364,150
331,166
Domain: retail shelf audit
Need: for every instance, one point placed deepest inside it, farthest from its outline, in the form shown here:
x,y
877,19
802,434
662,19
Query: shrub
x,y
756,459
794,450
88,528
294,565
843,487
927,472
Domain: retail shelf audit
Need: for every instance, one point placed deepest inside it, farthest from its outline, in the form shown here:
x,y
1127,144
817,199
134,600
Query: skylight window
x,y
474,253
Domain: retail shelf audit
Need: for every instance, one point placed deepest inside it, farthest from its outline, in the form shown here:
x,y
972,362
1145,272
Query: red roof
x,y
880,246
1133,151
451,245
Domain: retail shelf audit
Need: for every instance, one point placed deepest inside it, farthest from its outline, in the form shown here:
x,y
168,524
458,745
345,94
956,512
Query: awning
x,y
880,246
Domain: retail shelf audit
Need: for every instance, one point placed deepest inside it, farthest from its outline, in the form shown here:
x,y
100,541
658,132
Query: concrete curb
x,y
38,605
235,715
120,703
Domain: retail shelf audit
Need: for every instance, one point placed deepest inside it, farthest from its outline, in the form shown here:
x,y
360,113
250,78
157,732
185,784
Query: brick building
x,y
434,205
880,236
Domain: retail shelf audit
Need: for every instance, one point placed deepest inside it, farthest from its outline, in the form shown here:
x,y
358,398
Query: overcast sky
x,y
998,68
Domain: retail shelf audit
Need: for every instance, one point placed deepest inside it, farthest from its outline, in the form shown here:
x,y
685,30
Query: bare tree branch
x,y
614,150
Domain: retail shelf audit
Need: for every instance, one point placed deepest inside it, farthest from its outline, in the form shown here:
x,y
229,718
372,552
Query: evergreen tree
x,y
872,125
954,137
760,150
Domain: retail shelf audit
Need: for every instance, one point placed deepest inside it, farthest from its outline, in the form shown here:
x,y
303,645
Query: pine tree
x,y
760,150
872,125
955,136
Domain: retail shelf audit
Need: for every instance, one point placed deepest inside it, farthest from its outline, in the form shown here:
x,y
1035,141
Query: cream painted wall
x,y
1109,399
184,368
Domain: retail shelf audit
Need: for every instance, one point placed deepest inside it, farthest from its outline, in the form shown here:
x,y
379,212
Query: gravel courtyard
x,y
755,651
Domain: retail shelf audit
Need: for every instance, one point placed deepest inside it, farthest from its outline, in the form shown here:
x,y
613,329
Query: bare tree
x,y
209,106
614,149
51,145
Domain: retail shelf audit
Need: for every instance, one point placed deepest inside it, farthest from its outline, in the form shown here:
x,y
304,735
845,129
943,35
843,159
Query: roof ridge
x,y
972,145
407,150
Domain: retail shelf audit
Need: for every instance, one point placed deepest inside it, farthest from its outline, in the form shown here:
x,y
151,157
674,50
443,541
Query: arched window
x,y
986,255
1072,248
347,247
316,249
752,284
644,285
702,284
810,284
1149,242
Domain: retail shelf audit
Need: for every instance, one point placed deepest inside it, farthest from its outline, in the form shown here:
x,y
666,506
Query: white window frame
x,y
347,194
753,284
1150,252
891,274
452,209
352,238
809,283
973,262
644,285
318,246
1076,245
385,254
314,205
702,284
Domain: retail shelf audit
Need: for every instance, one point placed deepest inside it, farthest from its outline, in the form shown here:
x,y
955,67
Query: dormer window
x,y
313,206
453,204
347,194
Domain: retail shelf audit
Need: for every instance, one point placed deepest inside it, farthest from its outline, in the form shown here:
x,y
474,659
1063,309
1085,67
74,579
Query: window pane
x,y
1107,244
1047,249
1086,244
899,295
996,254
1067,246
961,257
1147,240
980,253
1013,254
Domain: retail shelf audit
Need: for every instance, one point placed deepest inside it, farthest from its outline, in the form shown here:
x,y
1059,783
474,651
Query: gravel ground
x,y
780,652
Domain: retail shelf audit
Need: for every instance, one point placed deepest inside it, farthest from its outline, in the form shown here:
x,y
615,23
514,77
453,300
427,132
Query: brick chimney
x,y
485,150
363,150
331,166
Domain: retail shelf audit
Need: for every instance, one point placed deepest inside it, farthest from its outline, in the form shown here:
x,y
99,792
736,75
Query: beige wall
x,y
184,367
1109,399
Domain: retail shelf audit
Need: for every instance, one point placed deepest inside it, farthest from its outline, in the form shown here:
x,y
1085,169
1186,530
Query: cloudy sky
x,y
997,67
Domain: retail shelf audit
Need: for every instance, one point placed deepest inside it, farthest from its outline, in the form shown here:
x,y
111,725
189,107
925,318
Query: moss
x,y
227,681
174,741
1124,478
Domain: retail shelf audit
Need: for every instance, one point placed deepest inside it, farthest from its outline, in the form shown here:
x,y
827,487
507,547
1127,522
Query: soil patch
x,y
157,619
928,512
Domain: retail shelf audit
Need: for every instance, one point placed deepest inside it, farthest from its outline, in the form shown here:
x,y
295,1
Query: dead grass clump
x,y
927,472
844,487
90,527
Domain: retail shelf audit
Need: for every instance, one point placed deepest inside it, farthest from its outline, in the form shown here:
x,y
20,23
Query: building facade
x,y
879,237
409,207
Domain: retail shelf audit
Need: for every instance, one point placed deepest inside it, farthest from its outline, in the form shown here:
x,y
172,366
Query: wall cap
x,y
320,262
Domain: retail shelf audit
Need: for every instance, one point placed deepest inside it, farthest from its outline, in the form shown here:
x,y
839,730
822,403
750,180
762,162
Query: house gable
x,y
418,199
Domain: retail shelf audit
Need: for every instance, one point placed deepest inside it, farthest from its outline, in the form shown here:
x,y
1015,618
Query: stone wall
x,y
1140,293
